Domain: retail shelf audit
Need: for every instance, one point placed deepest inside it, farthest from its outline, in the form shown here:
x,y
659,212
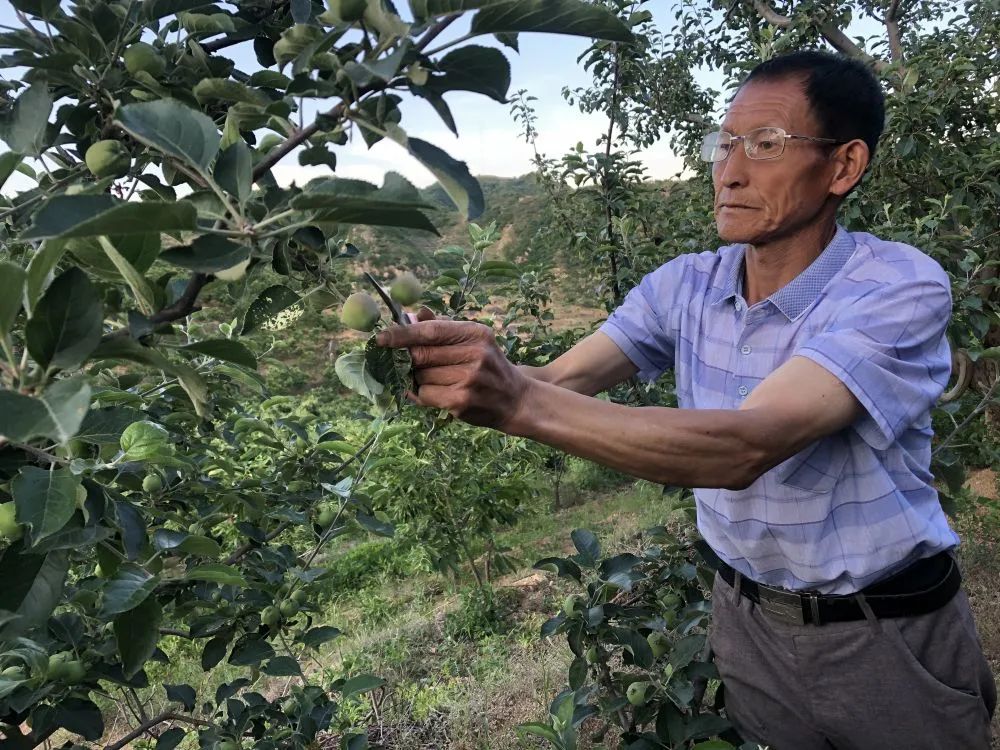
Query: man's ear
x,y
851,161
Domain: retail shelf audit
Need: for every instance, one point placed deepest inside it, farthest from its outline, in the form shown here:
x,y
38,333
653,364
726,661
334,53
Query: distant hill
x,y
516,204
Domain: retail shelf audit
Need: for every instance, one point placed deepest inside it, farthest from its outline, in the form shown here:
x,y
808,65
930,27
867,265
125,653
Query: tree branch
x,y
302,134
892,31
150,723
184,306
832,33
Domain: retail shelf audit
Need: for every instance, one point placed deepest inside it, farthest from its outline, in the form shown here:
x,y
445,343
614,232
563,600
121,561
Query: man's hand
x,y
459,367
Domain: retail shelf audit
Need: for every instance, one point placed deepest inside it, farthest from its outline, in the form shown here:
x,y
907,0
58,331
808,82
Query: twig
x,y
184,306
980,407
150,723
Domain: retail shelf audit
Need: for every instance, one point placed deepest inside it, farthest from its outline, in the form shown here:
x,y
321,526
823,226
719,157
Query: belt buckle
x,y
781,605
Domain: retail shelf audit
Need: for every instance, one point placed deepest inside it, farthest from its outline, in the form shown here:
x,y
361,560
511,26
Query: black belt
x,y
924,586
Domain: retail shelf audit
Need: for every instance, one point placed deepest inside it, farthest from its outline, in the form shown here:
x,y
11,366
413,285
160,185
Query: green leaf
x,y
174,129
686,650
107,425
153,10
619,570
140,250
587,545
397,203
540,730
32,587
170,739
24,132
713,745
127,590
141,289
250,651
265,311
40,269
191,544
207,254
224,89
91,215
183,694
574,17
144,440
483,70
126,348
66,325
214,652
363,683
137,632
56,414
316,637
78,716
560,565
453,175
353,372
233,171
9,161
226,575
705,725
375,525
45,499
12,278
206,23
282,666
225,349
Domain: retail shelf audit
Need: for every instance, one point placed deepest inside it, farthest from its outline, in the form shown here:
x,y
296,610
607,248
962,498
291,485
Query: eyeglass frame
x,y
746,148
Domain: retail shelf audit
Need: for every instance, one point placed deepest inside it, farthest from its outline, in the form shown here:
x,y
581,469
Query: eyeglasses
x,y
760,144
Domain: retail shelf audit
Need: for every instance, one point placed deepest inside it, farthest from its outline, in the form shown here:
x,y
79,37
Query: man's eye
x,y
766,145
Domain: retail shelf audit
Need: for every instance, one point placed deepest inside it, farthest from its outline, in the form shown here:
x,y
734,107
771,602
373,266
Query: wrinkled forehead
x,y
760,104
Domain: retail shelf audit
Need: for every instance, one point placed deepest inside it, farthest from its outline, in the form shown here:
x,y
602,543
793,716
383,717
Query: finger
x,y
442,356
432,396
431,333
439,376
425,313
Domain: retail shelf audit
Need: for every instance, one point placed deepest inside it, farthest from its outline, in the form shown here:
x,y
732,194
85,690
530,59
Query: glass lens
x,y
715,146
765,143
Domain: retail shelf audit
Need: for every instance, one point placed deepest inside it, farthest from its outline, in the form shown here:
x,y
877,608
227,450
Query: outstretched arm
x,y
460,368
592,366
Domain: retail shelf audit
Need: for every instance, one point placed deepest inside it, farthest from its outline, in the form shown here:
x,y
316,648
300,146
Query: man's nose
x,y
732,171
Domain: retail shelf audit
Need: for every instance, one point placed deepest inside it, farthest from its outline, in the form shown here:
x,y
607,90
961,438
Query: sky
x,y
488,136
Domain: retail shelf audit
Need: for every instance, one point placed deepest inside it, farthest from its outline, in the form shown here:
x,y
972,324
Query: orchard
x,y
166,510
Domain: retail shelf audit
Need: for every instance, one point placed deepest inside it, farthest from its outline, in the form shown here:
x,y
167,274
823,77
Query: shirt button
x,y
739,305
743,390
746,349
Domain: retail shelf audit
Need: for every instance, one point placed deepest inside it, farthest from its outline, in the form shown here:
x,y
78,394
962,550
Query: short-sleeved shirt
x,y
855,506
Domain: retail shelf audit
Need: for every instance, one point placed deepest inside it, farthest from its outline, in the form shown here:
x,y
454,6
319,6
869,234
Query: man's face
x,y
759,201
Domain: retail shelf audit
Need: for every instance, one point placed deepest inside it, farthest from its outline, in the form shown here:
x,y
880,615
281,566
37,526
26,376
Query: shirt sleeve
x,y
644,325
889,348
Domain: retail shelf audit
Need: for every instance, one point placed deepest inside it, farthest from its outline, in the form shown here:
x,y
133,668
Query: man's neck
x,y
770,266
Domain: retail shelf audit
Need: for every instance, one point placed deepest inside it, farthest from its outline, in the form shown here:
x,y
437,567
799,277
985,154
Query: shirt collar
x,y
795,296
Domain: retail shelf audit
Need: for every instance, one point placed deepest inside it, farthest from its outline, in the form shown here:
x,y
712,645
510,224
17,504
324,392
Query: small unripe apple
x,y
289,608
636,693
270,616
360,312
107,158
658,642
326,516
406,289
9,527
152,483
571,605
300,597
144,58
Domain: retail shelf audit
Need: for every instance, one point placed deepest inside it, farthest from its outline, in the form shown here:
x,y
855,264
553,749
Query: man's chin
x,y
734,234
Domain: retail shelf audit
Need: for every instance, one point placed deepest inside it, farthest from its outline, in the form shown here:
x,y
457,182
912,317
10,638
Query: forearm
x,y
685,447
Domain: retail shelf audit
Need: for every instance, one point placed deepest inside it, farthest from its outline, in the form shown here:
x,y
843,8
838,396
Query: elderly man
x,y
807,359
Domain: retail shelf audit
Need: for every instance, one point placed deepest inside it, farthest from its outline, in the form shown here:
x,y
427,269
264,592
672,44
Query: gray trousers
x,y
913,683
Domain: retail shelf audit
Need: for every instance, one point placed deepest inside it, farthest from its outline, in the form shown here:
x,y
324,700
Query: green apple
x,y
144,58
289,608
658,642
360,312
107,158
636,693
270,616
9,527
152,483
326,516
406,289
300,597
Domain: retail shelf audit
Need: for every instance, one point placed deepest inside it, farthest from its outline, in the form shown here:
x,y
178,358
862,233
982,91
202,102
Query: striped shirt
x,y
852,507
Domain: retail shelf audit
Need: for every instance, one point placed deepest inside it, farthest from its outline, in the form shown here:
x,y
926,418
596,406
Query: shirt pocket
x,y
818,468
